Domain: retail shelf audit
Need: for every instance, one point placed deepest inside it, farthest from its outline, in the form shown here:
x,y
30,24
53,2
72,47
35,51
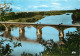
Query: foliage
x,y
7,49
35,18
2,27
76,16
4,9
72,44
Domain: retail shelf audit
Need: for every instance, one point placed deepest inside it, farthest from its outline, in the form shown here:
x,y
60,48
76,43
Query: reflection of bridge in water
x,y
59,27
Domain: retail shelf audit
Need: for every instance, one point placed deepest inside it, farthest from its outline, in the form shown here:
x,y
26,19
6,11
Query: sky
x,y
43,5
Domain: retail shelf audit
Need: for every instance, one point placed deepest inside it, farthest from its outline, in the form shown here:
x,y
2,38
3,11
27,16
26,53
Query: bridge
x,y
21,25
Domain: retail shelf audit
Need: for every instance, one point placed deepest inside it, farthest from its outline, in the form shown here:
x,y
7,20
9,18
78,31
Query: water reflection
x,y
27,47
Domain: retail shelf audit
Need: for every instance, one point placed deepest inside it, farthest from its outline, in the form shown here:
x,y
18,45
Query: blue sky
x,y
43,5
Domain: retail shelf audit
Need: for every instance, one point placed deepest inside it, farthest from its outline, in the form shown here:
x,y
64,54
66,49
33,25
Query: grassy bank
x,y
31,16
28,19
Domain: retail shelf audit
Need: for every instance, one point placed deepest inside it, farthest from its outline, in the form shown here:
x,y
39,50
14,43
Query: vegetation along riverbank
x,y
76,16
31,16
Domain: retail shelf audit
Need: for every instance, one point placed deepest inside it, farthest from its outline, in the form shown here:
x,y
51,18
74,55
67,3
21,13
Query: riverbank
x,y
32,16
28,19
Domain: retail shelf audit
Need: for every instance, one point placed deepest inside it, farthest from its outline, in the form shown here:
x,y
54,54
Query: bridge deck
x,y
24,23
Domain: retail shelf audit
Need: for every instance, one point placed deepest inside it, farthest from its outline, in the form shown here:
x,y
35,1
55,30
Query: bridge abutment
x,y
6,26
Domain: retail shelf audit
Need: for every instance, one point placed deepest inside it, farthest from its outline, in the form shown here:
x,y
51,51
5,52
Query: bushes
x,y
76,16
4,9
2,27
35,18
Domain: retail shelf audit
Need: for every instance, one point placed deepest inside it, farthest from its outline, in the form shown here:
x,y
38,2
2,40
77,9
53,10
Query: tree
x,y
4,10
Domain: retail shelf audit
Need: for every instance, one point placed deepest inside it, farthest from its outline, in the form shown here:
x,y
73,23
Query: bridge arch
x,y
15,32
30,32
69,27
69,30
14,28
49,32
2,27
6,26
51,27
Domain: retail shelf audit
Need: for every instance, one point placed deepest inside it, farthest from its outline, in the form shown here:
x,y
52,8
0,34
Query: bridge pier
x,y
20,30
22,33
61,34
61,37
39,34
6,29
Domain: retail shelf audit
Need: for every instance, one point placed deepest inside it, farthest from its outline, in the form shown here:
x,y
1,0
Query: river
x,y
47,34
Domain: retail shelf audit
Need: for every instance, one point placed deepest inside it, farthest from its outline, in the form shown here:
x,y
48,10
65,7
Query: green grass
x,y
28,19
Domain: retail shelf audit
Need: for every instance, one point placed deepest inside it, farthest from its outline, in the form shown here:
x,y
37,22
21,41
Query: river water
x,y
47,34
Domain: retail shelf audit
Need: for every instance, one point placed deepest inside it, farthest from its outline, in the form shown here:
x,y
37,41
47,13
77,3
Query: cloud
x,y
35,6
43,6
51,6
40,6
55,3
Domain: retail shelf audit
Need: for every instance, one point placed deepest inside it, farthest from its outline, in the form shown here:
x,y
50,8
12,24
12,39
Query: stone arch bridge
x,y
21,25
